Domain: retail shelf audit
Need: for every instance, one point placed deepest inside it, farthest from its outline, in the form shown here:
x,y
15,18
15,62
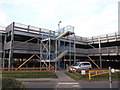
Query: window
x,y
86,63
75,64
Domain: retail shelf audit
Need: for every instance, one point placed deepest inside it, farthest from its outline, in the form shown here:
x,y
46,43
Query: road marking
x,y
67,83
75,85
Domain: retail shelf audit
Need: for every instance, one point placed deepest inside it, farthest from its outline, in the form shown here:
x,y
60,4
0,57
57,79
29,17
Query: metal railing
x,y
105,50
28,72
32,29
105,37
28,46
89,73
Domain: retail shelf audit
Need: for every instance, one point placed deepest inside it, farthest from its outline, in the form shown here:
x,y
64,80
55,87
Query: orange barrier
x,y
27,71
93,73
35,68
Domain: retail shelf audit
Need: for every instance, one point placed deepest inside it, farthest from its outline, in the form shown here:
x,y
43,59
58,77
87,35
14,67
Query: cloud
x,y
100,20
3,18
89,17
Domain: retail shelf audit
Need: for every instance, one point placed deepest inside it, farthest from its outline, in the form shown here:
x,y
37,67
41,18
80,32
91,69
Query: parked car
x,y
80,65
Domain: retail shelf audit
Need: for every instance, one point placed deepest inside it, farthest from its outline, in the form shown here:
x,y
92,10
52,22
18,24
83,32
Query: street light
x,y
59,25
57,45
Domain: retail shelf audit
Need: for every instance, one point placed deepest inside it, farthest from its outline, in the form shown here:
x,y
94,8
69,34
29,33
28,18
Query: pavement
x,y
36,79
62,77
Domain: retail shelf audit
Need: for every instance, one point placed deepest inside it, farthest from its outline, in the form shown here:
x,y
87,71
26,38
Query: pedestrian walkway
x,y
65,81
36,79
62,77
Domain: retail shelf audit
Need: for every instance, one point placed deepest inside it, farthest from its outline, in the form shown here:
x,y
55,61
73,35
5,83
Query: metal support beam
x,y
93,62
56,54
3,60
4,53
11,48
49,50
59,52
100,53
74,50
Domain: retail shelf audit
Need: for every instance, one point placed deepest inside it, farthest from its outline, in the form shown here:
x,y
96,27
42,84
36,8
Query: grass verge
x,y
115,76
29,74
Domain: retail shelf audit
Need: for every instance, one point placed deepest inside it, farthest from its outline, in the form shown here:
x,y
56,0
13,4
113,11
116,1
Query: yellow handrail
x,y
93,62
92,73
29,59
61,35
61,54
26,61
41,59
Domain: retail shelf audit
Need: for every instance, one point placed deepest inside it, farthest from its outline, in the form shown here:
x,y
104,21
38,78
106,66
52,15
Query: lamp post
x,y
100,53
57,46
59,25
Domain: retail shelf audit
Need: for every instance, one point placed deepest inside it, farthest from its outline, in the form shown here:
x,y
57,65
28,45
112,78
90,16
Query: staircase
x,y
60,55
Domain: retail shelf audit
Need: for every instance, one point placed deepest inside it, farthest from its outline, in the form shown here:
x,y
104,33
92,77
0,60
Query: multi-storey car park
x,y
38,46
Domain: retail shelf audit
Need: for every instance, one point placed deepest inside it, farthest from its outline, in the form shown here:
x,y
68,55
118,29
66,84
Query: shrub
x,y
11,83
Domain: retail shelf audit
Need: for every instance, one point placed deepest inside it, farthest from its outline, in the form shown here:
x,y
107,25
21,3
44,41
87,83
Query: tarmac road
x,y
80,84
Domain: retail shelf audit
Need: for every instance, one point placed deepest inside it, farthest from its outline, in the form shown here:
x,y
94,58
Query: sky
x,y
88,17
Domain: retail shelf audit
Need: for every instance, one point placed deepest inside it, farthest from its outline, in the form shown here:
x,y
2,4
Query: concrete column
x,y
11,48
100,53
3,62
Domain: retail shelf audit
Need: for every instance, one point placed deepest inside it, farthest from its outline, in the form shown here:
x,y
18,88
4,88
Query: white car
x,y
81,65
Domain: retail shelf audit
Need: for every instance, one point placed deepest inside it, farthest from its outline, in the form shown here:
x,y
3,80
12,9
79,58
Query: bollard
x,y
89,74
110,77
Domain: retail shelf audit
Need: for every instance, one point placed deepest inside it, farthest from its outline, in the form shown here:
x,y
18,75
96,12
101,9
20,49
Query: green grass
x,y
115,76
75,76
30,74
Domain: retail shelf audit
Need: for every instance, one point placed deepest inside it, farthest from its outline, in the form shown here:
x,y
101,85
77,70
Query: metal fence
x,y
28,72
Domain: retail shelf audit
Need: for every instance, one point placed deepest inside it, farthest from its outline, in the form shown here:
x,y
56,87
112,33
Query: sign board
x,y
113,70
83,72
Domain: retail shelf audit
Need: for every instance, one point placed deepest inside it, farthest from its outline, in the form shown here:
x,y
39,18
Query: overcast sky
x,y
89,17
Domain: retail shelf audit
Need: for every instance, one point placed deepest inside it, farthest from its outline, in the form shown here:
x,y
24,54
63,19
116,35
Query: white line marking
x,y
75,85
67,83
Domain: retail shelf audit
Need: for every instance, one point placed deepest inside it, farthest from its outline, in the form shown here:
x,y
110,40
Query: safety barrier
x,y
87,72
26,69
93,73
28,72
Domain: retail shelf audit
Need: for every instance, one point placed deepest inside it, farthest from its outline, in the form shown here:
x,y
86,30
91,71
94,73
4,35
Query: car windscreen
x,y
85,63
75,64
